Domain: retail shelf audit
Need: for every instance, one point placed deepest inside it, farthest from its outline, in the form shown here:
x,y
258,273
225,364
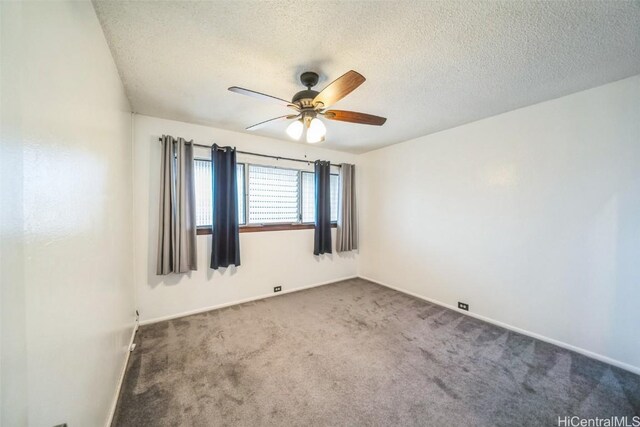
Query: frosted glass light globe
x,y
316,131
294,130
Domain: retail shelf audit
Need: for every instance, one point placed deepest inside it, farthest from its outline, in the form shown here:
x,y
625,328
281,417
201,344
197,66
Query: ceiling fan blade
x,y
268,122
262,96
339,88
354,117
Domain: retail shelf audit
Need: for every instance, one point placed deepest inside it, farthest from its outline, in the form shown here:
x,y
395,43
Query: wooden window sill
x,y
268,227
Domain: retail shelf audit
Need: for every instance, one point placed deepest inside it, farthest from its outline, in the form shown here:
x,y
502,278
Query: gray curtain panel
x,y
177,223
347,232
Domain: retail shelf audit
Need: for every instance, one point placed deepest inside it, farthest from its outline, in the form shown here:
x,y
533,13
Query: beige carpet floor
x,y
356,353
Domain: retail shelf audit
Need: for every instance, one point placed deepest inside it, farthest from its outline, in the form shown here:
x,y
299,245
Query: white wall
x,y
532,217
268,258
67,217
13,343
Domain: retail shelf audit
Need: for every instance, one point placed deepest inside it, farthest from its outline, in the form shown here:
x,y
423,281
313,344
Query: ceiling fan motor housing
x,y
304,95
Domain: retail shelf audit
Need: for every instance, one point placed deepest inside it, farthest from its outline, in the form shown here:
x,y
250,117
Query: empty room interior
x,y
336,213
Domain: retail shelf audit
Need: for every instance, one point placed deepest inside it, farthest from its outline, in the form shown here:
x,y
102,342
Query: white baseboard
x,y
242,301
601,358
112,411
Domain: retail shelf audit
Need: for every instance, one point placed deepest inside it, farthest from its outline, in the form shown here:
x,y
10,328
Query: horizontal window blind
x,y
204,205
202,176
273,195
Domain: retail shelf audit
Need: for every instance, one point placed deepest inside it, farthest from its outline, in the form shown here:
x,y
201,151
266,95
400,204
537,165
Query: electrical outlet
x,y
463,306
277,289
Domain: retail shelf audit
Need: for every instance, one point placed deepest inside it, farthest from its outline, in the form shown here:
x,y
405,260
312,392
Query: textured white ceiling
x,y
429,65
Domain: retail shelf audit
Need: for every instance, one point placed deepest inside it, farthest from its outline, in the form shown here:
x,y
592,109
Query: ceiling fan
x,y
310,105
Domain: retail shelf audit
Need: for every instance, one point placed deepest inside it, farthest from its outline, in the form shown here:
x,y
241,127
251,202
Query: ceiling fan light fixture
x,y
316,131
295,129
309,103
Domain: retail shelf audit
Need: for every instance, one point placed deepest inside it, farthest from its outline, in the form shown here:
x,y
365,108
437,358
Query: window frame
x,y
248,227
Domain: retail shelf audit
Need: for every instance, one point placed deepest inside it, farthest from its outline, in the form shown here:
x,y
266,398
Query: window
x,y
309,197
202,178
335,190
273,195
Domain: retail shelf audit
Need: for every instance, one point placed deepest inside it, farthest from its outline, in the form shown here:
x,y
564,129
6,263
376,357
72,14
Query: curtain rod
x,y
263,155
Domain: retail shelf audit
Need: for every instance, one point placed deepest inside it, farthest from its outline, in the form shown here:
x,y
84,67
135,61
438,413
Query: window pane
x,y
202,178
335,179
240,180
309,197
273,195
